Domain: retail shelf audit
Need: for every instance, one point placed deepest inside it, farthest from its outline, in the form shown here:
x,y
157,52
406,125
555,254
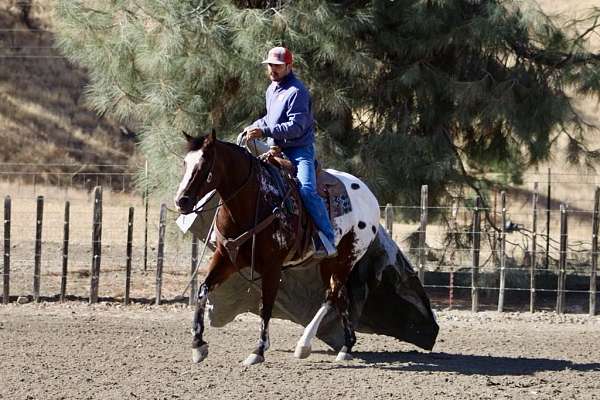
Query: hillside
x,y
43,115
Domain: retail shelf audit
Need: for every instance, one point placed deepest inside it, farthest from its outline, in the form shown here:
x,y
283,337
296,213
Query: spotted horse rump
x,y
351,207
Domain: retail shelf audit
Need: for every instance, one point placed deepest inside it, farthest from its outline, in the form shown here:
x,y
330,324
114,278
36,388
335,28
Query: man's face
x,y
278,71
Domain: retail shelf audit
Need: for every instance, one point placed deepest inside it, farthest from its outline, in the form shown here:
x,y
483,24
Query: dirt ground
x,y
108,351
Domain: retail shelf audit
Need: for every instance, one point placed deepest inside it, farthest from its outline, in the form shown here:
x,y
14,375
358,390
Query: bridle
x,y
209,178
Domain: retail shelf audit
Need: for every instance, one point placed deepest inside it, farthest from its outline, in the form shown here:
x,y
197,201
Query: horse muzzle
x,y
184,204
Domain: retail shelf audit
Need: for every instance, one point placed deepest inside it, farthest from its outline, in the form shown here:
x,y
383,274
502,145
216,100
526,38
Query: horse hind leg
x,y
337,296
335,271
343,307
303,347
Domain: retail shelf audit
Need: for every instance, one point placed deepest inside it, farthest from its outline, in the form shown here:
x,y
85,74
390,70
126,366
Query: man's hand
x,y
254,133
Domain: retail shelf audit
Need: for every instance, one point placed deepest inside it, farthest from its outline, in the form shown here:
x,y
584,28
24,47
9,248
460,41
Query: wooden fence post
x,y
533,259
65,252
423,234
194,284
160,252
593,272
502,254
38,248
562,264
128,261
96,245
476,231
389,220
494,245
548,206
454,230
146,193
6,290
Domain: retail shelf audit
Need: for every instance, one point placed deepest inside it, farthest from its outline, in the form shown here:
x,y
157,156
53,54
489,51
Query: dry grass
x,y
43,117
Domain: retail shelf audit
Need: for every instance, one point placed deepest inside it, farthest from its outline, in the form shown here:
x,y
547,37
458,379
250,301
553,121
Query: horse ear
x,y
187,137
212,136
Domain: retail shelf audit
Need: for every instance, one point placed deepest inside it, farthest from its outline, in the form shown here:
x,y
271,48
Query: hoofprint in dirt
x,y
108,351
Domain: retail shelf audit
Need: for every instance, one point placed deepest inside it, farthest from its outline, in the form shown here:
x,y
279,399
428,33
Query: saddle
x,y
331,189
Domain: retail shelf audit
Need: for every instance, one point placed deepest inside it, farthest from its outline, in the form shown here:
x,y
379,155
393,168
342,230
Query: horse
x,y
251,206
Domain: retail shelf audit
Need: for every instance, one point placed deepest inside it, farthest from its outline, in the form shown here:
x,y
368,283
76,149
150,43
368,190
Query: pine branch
x,y
199,11
555,59
588,31
470,180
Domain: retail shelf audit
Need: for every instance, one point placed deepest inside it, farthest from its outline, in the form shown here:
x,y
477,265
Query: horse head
x,y
198,178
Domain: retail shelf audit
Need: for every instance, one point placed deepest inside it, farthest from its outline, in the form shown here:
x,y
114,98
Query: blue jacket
x,y
289,120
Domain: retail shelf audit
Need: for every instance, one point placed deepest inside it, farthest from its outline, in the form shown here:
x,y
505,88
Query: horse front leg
x,y
270,285
218,270
199,346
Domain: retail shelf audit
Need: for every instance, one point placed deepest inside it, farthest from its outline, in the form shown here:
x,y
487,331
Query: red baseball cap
x,y
279,55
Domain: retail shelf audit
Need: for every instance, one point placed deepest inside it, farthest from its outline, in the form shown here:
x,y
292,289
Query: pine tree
x,y
405,92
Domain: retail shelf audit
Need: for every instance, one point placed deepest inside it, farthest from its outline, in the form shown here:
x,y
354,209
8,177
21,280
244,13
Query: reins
x,y
270,218
233,245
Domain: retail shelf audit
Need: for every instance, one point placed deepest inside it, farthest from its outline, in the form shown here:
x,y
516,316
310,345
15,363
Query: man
x,y
289,123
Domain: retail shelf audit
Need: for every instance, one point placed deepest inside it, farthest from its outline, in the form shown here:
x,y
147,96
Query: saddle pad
x,y
276,174
333,191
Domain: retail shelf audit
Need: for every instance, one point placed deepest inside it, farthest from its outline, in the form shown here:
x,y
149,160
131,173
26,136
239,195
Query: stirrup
x,y
323,247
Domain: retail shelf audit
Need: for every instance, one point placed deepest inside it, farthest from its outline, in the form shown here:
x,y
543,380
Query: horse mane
x,y
235,147
197,143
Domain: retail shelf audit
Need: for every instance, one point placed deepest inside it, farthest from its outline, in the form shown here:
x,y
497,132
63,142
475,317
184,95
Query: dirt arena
x,y
108,351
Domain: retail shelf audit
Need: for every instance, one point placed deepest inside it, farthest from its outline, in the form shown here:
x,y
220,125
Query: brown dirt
x,y
75,351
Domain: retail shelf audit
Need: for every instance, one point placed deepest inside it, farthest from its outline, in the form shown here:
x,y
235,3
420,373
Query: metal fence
x,y
504,256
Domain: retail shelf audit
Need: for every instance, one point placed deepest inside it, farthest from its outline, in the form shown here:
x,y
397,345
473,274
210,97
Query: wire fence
x,y
465,252
508,253
450,255
26,177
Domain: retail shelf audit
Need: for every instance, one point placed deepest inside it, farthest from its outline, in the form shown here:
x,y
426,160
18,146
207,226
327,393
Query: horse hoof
x,y
302,351
253,359
343,356
199,353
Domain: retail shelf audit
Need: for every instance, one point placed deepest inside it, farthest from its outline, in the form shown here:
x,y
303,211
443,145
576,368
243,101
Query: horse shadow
x,y
464,364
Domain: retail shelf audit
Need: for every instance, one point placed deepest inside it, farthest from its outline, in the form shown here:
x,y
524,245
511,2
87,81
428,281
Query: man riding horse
x,y
254,227
289,124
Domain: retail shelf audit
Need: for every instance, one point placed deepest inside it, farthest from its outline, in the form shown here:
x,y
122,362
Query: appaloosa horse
x,y
252,205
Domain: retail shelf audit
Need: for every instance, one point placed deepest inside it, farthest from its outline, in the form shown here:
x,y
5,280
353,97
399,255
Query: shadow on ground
x,y
461,363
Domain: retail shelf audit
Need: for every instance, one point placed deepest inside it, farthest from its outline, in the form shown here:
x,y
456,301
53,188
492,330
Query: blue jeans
x,y
304,160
